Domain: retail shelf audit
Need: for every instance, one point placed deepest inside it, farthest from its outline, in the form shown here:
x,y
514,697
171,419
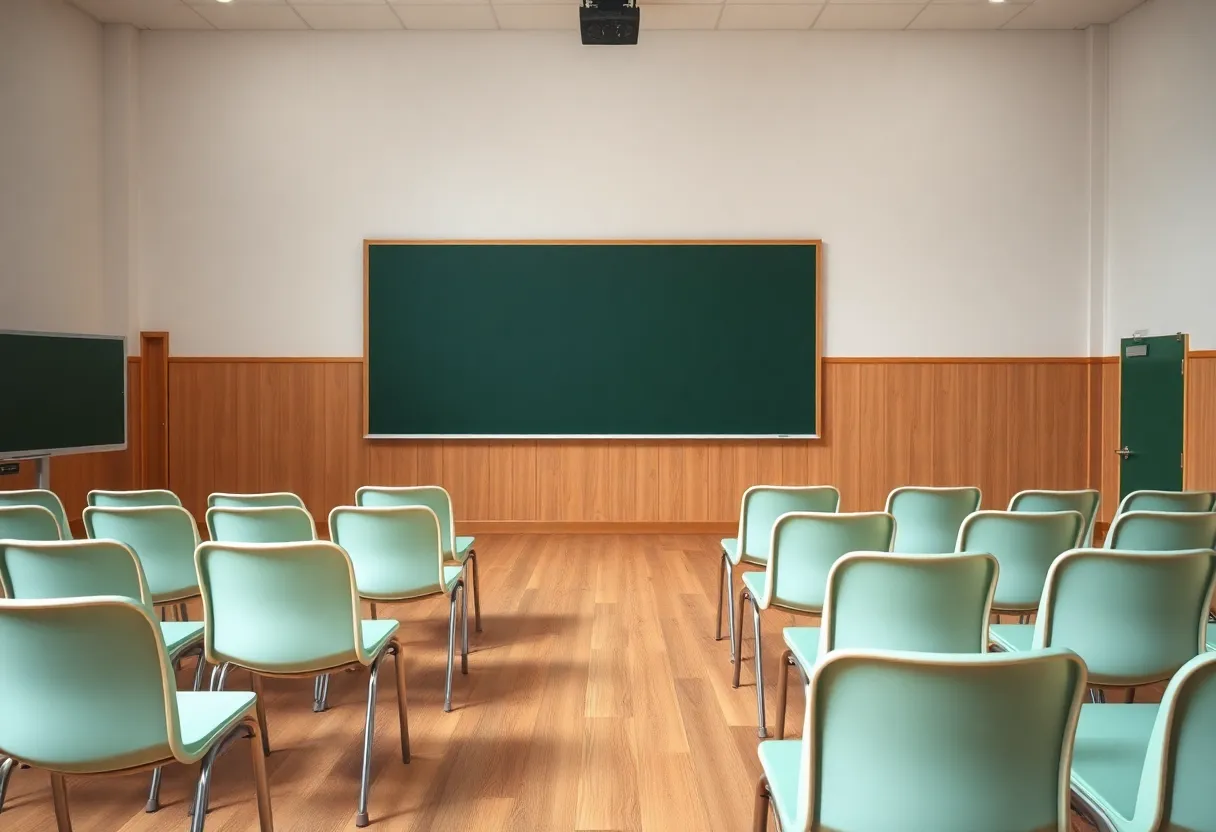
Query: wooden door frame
x,y
1186,382
150,401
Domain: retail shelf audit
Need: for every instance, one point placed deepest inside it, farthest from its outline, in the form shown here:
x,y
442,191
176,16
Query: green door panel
x,y
1151,406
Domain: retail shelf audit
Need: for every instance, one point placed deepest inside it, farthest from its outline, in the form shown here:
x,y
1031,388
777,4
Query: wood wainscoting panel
x,y
1110,440
244,425
1201,422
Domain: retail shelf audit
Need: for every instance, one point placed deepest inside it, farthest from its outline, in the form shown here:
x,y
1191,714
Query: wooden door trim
x,y
146,399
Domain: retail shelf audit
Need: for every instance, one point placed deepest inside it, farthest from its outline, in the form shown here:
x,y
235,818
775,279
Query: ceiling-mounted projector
x,y
608,22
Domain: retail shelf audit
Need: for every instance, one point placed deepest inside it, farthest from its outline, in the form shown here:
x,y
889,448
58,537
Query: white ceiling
x,y
563,14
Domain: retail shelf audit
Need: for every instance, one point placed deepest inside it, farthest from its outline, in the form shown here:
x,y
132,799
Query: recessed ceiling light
x,y
229,1
990,1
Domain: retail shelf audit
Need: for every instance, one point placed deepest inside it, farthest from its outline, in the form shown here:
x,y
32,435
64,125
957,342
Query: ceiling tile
x,y
1071,14
146,14
236,2
511,16
868,16
398,3
333,2
682,16
965,15
746,16
449,16
878,2
348,17
239,16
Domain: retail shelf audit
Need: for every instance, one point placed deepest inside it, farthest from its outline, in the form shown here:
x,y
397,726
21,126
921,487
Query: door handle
x,y
1124,452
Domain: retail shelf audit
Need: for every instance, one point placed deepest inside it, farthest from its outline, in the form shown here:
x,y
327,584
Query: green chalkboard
x,y
699,339
62,393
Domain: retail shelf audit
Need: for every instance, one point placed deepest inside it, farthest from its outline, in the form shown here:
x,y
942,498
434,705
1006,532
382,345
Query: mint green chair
x,y
1084,500
880,601
928,741
1149,768
49,500
1179,501
268,499
262,524
1134,617
133,499
927,519
291,610
398,557
88,689
1162,531
758,511
802,549
457,551
78,568
28,522
163,538
1025,543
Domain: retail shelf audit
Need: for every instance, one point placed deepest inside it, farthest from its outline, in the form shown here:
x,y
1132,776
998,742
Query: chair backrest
x,y
270,498
1168,501
1085,500
948,742
267,524
86,685
1176,782
763,504
1134,617
280,607
133,499
927,520
71,569
1025,543
434,497
162,537
805,546
926,603
28,522
49,500
396,551
1162,531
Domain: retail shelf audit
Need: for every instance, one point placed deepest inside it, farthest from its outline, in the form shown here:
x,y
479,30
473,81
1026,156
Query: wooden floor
x,y
596,699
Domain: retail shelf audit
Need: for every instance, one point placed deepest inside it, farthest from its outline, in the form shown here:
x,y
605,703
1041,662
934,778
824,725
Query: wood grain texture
x,y
1110,441
74,475
1201,422
596,700
1003,425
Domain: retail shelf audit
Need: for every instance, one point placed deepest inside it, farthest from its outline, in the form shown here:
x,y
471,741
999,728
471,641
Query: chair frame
x,y
248,728
457,590
1091,521
65,532
726,585
1122,509
470,559
89,502
763,799
233,495
745,597
393,646
1120,519
825,629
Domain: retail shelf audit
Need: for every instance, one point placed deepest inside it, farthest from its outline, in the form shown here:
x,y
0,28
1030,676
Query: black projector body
x,y
609,22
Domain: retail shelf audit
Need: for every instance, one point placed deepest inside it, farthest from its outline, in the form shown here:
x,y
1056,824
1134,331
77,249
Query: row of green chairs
x,y
962,742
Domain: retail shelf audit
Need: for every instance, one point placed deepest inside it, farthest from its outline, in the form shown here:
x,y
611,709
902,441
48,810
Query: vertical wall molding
x,y
120,171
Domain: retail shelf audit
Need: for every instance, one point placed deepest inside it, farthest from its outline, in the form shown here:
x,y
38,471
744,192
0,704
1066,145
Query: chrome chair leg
x,y
219,676
783,678
201,792
59,794
476,589
721,583
199,669
403,721
762,731
464,631
369,729
153,804
320,694
730,609
447,695
6,770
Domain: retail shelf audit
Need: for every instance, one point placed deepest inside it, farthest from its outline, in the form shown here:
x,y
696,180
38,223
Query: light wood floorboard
x,y
596,699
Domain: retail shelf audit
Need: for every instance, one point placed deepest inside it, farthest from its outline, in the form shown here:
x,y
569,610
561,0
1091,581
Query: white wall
x,y
1162,234
51,171
947,172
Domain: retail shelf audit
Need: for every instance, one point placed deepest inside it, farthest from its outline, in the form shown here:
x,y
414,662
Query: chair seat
x,y
376,634
463,545
804,645
1012,638
1108,756
179,635
451,574
781,761
205,716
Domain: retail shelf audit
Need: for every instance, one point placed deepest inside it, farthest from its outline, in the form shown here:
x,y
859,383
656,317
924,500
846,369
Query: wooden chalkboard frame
x,y
369,242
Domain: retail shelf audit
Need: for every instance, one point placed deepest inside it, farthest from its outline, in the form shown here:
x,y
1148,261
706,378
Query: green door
x,y
1151,408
